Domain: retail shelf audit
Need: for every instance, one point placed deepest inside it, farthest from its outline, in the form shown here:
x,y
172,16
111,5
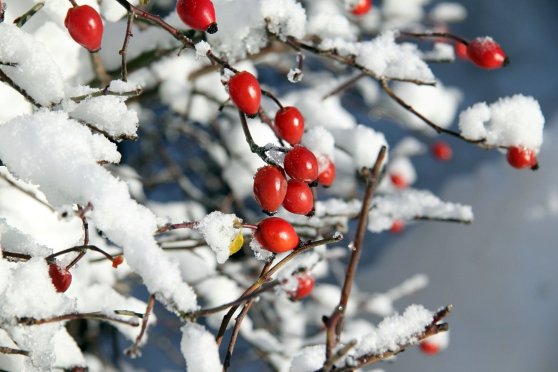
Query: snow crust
x,y
199,349
515,120
218,231
62,157
409,204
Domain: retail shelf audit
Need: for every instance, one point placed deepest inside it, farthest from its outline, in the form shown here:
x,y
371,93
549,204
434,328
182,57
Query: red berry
x,y
245,92
460,50
398,180
429,348
397,226
61,278
276,235
486,53
305,286
301,164
362,7
85,26
299,198
270,187
290,124
117,261
327,176
198,14
442,151
521,157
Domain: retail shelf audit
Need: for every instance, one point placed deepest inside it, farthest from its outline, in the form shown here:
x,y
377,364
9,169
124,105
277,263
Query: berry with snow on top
x,y
327,177
521,157
61,278
486,53
304,287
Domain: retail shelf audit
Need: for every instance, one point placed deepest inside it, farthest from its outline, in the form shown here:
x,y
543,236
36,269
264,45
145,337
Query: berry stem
x,y
73,2
79,248
275,99
446,35
22,19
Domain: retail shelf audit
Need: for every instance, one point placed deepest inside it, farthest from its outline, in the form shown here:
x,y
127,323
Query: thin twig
x,y
21,20
266,275
334,323
433,328
61,318
212,310
445,35
235,331
5,78
230,313
430,123
124,51
134,351
176,226
27,192
9,350
345,85
106,92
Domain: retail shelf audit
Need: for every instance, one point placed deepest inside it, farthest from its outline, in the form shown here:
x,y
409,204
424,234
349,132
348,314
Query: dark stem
x,y
335,322
21,20
236,330
176,226
435,34
268,272
437,128
275,99
79,248
27,192
212,310
345,85
9,350
230,313
124,51
61,318
134,349
5,78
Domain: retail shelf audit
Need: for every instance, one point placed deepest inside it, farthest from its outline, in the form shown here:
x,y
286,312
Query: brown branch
x,y
9,350
344,86
134,351
433,328
6,79
176,226
124,51
334,323
268,271
27,192
61,318
100,69
445,35
430,123
212,310
230,313
236,330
